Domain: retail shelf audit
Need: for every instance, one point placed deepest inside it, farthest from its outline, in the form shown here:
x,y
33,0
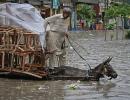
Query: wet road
x,y
97,51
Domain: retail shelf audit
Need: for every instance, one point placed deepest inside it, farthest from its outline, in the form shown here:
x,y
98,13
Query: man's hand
x,y
66,34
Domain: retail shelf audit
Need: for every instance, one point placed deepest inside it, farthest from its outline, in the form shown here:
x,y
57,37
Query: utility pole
x,y
74,14
107,3
105,19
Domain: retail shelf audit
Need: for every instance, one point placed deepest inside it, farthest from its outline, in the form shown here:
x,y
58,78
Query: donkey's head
x,y
104,69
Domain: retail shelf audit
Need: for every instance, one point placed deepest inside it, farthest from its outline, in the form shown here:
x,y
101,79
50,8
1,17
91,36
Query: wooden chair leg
x,y
3,59
23,63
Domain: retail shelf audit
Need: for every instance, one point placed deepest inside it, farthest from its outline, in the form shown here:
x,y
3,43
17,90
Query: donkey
x,y
103,69
70,73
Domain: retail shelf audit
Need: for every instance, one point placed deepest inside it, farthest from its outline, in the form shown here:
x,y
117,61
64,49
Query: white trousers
x,y
57,59
54,41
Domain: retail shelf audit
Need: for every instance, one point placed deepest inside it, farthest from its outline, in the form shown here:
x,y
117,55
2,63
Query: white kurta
x,y
55,38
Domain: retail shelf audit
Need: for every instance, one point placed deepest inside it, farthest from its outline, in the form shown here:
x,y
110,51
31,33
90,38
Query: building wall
x,y
89,1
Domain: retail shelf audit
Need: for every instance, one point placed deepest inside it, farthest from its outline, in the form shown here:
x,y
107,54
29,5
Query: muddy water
x,y
97,51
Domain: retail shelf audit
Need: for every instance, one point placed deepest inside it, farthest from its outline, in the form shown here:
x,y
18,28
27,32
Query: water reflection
x,y
31,90
105,88
90,91
118,89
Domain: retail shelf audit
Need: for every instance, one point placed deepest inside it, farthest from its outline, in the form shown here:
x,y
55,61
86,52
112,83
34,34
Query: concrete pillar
x,y
73,20
74,16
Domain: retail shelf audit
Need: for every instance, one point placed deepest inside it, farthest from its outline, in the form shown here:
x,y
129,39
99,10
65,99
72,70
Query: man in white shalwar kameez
x,y
55,39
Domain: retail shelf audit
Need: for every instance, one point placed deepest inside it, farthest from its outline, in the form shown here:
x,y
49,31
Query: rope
x,y
78,44
78,53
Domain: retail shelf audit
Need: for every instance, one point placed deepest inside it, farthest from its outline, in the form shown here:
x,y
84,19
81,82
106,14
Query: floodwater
x,y
96,51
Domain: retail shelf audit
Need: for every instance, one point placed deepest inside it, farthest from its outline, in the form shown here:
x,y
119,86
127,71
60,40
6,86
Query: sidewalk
x,y
109,34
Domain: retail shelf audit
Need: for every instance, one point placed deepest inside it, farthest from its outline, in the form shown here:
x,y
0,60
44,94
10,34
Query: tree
x,y
86,12
121,10
124,11
112,13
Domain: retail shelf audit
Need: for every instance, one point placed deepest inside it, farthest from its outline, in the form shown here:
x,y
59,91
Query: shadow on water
x,y
105,88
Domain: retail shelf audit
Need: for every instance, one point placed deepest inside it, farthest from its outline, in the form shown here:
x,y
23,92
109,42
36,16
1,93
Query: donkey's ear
x,y
108,60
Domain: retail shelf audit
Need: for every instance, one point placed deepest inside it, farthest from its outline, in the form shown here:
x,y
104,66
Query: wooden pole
x,y
3,59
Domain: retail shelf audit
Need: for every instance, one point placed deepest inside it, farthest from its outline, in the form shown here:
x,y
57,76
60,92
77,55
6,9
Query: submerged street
x,y
97,51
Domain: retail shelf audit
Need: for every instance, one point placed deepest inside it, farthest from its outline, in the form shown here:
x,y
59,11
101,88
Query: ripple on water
x,y
118,89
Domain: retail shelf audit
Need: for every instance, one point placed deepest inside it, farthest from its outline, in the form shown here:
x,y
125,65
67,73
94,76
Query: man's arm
x,y
51,19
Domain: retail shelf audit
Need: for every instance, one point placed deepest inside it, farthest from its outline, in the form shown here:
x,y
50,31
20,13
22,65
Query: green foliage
x,y
110,26
127,36
86,12
117,10
111,12
124,10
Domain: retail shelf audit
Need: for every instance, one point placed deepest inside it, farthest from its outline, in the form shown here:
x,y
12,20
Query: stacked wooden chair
x,y
20,50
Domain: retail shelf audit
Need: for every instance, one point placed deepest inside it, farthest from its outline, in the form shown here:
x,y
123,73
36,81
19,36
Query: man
x,y
55,38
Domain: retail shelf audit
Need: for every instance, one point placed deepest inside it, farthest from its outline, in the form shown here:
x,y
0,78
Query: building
x,y
94,5
50,7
